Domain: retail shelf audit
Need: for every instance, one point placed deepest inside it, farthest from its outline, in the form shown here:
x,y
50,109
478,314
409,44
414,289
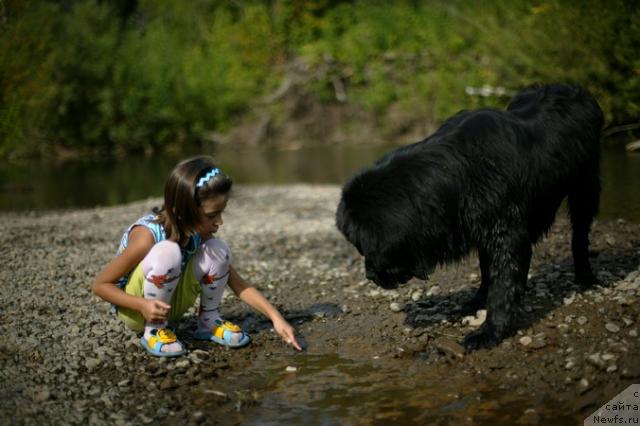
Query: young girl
x,y
168,258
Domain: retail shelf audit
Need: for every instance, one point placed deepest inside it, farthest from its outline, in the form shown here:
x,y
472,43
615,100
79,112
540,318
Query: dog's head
x,y
390,268
383,227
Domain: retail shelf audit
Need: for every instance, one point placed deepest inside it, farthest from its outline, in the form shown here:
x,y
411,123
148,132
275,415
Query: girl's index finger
x,y
293,342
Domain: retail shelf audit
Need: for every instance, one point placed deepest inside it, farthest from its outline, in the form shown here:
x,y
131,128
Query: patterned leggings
x,y
159,277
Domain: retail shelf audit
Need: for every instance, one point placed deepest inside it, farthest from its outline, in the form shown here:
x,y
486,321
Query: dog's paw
x,y
483,338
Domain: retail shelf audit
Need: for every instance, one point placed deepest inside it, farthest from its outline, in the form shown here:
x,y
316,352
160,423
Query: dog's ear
x,y
352,214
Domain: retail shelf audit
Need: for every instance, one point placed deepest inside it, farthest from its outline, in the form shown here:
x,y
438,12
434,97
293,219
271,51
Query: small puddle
x,y
331,389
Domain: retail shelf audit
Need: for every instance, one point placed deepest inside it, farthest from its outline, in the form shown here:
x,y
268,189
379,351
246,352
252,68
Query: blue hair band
x,y
206,178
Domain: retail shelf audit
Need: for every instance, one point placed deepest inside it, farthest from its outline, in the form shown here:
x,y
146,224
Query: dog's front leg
x,y
479,300
508,257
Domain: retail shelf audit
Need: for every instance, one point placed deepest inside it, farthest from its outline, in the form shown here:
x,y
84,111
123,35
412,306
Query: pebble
x,y
596,360
395,307
612,327
525,340
529,417
434,290
417,295
216,393
539,341
198,355
584,384
92,363
183,363
291,369
475,321
469,320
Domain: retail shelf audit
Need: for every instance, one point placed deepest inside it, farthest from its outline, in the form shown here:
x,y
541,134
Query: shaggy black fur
x,y
489,180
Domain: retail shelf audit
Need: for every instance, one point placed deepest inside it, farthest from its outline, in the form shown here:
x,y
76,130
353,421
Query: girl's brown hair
x,y
180,212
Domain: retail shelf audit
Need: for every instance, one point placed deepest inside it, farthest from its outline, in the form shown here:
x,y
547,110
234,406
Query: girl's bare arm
x,y
252,296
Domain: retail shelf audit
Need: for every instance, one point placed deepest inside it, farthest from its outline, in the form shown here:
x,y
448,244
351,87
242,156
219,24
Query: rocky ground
x,y
65,359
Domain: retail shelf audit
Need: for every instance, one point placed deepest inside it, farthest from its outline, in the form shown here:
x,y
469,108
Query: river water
x,y
329,389
74,184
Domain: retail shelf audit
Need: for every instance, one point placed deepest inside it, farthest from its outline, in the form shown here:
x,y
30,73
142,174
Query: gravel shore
x,y
65,359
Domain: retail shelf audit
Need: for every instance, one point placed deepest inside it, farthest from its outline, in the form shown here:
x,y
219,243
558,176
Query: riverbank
x,y
372,355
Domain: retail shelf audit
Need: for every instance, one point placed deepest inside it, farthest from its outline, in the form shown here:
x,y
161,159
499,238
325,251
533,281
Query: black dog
x,y
489,180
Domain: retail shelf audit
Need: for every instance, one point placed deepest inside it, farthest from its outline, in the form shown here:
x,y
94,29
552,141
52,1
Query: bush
x,y
87,76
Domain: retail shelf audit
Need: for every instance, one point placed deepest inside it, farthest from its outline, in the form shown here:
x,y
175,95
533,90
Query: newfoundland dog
x,y
488,180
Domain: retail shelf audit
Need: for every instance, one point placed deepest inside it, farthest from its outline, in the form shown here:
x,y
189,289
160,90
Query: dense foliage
x,y
98,76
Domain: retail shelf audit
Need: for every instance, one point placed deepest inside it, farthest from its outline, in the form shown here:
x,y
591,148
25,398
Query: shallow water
x,y
46,185
328,389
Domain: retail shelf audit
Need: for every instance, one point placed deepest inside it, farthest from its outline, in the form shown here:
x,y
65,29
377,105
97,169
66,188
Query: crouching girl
x,y
169,258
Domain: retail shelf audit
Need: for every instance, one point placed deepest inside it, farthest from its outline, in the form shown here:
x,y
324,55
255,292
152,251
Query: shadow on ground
x,y
547,289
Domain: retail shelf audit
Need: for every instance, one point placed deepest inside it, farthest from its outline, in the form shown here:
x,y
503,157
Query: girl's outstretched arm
x,y
252,296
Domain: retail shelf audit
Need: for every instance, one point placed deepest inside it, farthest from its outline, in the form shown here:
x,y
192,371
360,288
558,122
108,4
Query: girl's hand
x,y
154,310
288,334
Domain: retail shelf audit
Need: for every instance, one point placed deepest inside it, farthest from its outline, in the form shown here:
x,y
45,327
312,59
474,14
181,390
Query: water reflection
x,y
101,183
327,388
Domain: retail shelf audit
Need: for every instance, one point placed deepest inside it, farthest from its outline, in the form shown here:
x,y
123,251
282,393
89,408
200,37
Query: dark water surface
x,y
44,185
73,184
328,389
